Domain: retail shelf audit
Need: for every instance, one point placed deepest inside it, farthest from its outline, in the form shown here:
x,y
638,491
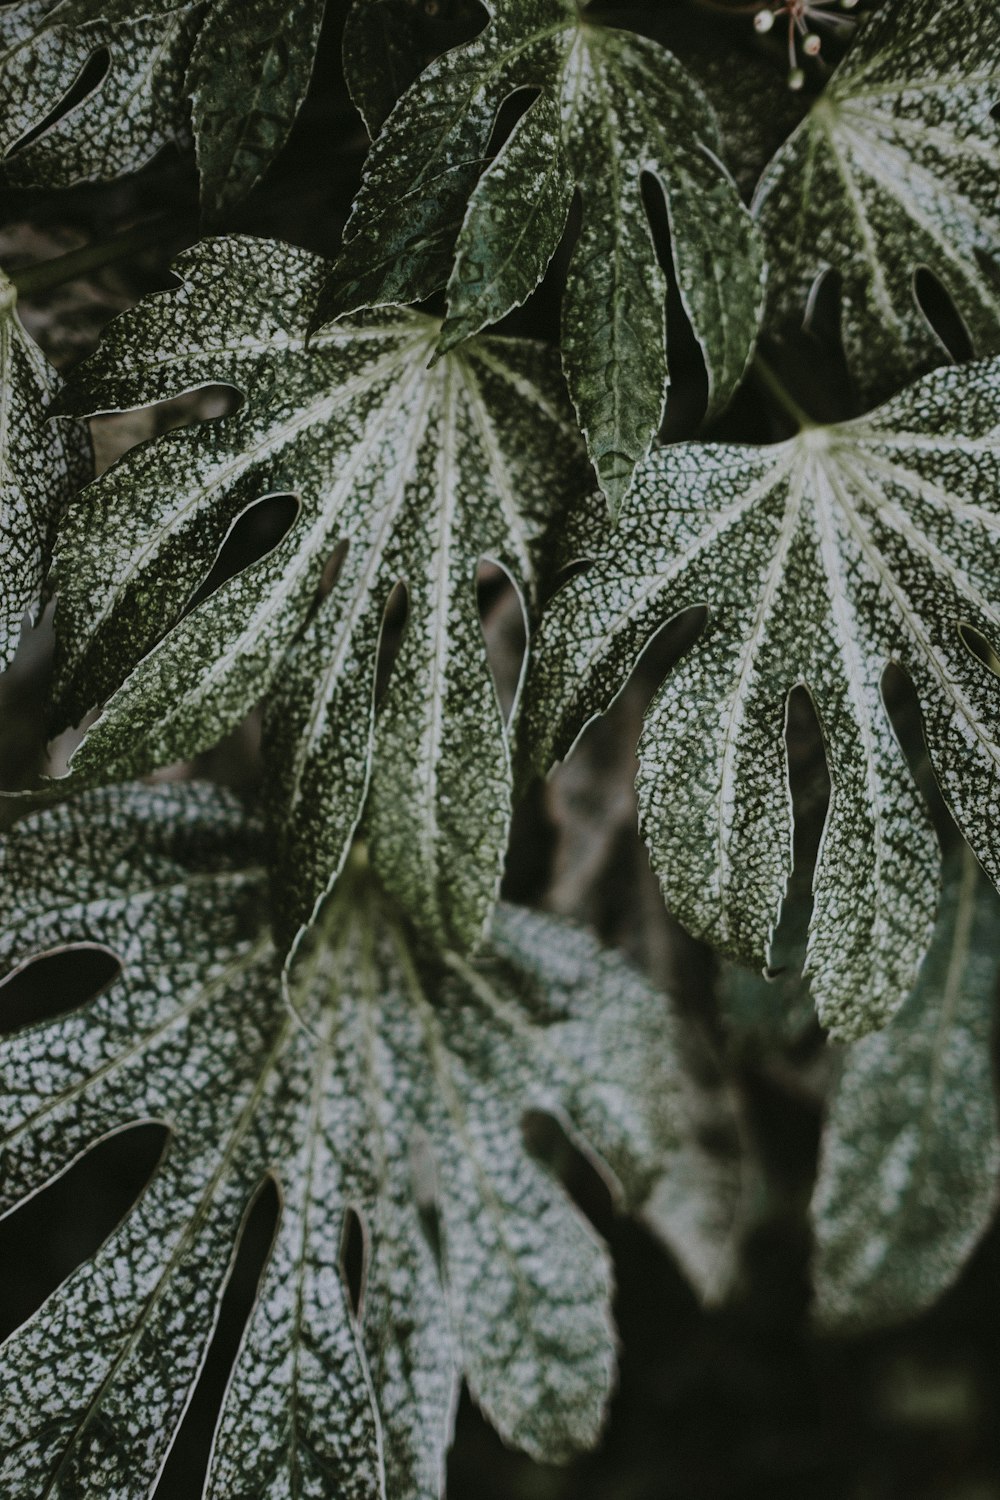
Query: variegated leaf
x,y
41,465
612,106
894,169
383,1060
911,1151
821,560
422,473
244,65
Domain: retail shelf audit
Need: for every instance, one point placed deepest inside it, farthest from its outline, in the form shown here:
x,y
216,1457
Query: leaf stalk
x,y
45,275
768,378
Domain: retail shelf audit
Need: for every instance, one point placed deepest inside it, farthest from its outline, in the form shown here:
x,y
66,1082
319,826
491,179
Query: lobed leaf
x,y
894,169
911,1152
821,561
160,54
611,107
385,1055
422,474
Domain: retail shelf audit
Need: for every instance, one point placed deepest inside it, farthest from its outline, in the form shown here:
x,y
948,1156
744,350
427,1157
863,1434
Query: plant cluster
x,y
322,989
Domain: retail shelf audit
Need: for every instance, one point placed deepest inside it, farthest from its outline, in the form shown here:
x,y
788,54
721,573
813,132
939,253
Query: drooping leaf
x,y
41,464
895,169
388,1071
422,473
821,560
612,106
242,65
911,1150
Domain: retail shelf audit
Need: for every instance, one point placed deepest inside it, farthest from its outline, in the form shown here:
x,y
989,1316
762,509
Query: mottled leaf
x,y
388,42
386,1073
895,168
422,473
41,464
427,214
242,66
821,560
910,1156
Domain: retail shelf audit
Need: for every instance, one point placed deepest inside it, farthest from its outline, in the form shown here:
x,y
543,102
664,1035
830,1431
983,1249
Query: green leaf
x,y
161,53
41,464
910,1156
422,473
821,560
427,214
894,169
388,42
388,1071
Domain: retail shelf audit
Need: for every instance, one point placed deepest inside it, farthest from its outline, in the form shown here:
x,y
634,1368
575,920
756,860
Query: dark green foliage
x,y
327,544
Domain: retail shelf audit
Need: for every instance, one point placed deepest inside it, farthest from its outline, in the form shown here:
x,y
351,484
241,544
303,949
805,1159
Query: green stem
x,y
780,394
46,274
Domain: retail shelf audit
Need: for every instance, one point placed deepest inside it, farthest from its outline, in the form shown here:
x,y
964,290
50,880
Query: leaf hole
x,y
354,1260
390,641
588,1183
905,715
55,984
87,81
257,531
662,651
687,395
979,646
186,1466
824,308
823,383
941,314
511,111
505,633
45,1239
809,789
115,433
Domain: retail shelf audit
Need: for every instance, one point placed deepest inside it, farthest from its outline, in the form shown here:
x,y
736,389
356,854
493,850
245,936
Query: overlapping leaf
x,y
611,107
40,467
821,560
911,1151
422,473
895,169
384,1061
240,68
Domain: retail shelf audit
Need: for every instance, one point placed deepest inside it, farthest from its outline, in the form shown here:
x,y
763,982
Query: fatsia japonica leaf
x,y
911,1151
821,560
421,472
238,69
390,1076
611,106
41,464
894,169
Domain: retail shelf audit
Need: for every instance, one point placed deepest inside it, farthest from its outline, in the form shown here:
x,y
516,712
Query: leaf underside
x,y
821,561
894,170
162,57
387,1070
611,107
